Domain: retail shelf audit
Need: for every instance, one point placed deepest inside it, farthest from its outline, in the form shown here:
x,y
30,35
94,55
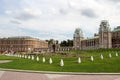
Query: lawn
x,y
70,62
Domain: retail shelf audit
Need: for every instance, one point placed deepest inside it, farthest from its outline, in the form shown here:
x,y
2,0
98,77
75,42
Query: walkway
x,y
14,75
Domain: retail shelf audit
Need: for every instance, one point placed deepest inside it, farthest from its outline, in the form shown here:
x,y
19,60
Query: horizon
x,y
56,39
56,19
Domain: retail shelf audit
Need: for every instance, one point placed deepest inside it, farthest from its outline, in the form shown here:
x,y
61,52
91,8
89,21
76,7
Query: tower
x,y
78,37
105,35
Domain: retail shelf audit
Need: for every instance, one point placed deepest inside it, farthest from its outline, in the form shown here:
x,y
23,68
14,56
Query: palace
x,y
21,44
104,39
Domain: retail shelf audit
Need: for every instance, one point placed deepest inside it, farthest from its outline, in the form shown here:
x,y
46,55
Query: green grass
x,y
70,61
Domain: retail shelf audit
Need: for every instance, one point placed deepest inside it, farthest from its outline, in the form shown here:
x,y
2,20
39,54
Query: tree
x,y
51,41
63,43
67,43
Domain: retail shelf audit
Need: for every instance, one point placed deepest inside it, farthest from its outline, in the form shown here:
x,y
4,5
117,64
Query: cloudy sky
x,y
56,19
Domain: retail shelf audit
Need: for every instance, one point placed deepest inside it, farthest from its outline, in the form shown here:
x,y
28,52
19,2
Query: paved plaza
x,y
13,75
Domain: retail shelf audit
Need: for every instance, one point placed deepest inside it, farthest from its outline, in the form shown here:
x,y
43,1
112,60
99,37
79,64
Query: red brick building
x,y
116,37
105,38
21,44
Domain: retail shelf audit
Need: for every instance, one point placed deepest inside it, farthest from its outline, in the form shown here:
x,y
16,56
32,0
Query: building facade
x,y
104,39
21,44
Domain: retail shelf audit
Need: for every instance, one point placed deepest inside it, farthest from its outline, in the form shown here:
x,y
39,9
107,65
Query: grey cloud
x,y
107,1
25,16
15,22
88,13
63,11
114,0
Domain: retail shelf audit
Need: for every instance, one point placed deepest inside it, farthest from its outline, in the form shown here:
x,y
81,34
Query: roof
x,y
116,29
92,38
78,33
19,37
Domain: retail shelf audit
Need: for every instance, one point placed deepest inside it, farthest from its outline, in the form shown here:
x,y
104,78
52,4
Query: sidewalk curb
x,y
62,73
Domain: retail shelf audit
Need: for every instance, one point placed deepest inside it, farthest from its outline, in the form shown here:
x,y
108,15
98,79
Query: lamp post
x,y
11,51
29,50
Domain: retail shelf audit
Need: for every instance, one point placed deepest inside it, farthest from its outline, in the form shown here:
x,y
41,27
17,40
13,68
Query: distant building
x,y
104,39
53,45
116,37
21,44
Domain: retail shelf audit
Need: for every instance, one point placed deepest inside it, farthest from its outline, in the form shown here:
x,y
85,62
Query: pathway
x,y
13,75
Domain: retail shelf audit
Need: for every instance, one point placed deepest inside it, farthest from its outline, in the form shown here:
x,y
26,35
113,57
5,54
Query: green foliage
x,y
66,43
51,41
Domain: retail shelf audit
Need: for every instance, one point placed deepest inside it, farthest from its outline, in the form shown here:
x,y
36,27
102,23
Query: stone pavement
x,y
16,75
5,61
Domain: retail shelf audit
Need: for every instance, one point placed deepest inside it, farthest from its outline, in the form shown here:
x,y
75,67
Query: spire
x,y
78,33
104,26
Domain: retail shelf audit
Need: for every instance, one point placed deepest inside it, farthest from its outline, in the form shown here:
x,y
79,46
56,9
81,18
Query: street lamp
x,y
11,47
29,50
